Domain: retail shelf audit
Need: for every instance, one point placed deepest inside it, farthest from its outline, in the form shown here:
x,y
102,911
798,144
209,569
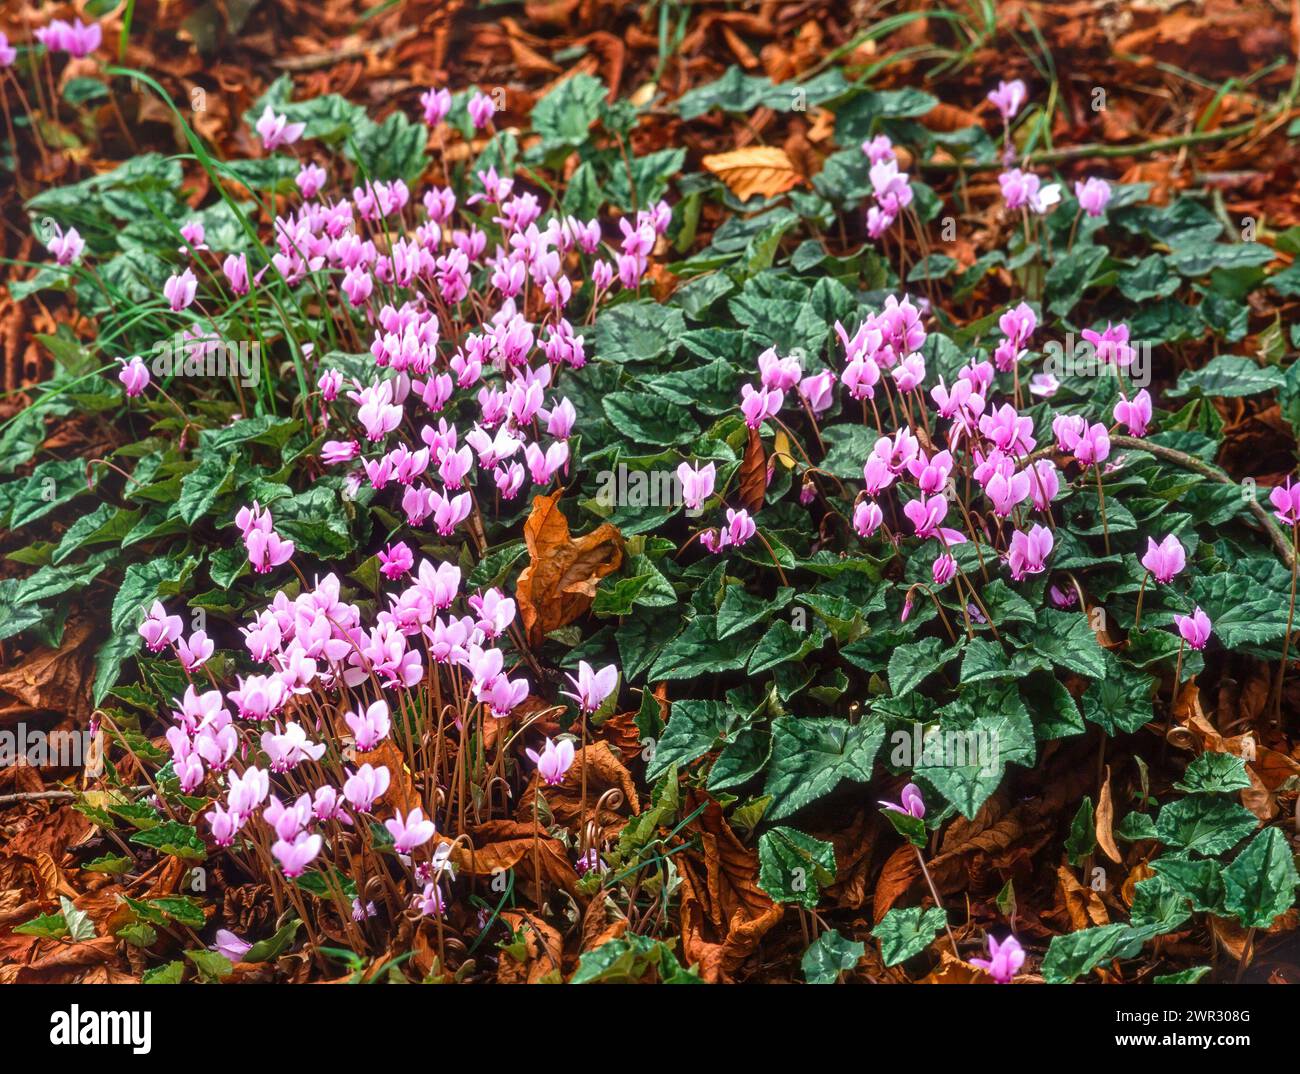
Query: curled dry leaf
x,y
559,583
1106,821
757,169
753,473
724,912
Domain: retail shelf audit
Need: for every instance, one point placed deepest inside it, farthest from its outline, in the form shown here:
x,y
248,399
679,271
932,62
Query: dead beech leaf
x,y
509,844
1083,905
757,169
753,474
724,912
543,951
1106,821
559,583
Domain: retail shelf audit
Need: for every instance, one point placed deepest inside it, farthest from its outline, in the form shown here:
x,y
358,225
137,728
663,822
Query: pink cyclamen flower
x,y
195,651
1029,551
592,686
296,856
1164,560
179,290
1194,628
867,517
1008,97
1004,961
230,945
310,179
436,104
1093,195
366,785
276,130
411,832
1093,445
160,629
910,802
235,269
371,727
395,561
134,375
66,246
1286,502
697,484
943,569
480,108
818,391
758,406
7,52
554,761
266,549
1135,413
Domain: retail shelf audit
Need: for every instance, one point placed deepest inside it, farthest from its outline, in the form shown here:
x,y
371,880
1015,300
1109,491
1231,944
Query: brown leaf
x,y
559,583
753,474
509,844
757,169
605,772
1083,905
1106,821
724,912
543,951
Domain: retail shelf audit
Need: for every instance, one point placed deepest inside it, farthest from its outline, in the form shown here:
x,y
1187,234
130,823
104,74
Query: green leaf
x,y
640,331
910,665
1182,977
1227,376
810,756
697,650
1082,839
180,840
212,966
740,609
783,643
50,926
1204,824
908,931
563,117
792,866
1214,773
201,486
1121,701
632,959
274,946
1136,826
1260,883
168,973
980,733
692,729
181,908
1077,953
830,955
1066,639
650,419
1200,881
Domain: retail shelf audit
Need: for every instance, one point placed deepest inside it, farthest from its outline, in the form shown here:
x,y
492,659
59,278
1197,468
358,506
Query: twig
x,y
36,796
1205,469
